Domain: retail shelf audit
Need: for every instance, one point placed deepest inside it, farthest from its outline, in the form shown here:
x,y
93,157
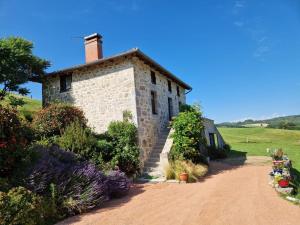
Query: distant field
x,y
30,107
256,125
255,141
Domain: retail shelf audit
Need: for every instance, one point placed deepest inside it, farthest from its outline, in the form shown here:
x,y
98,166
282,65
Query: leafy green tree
x,y
18,65
188,135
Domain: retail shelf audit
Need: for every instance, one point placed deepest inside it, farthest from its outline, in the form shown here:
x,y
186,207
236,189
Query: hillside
x,y
30,107
286,122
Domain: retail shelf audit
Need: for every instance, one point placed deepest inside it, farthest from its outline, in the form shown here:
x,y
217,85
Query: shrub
x,y
125,150
122,133
102,155
127,159
14,137
47,141
195,171
4,184
105,148
52,163
188,135
118,184
78,139
79,186
83,189
21,206
53,119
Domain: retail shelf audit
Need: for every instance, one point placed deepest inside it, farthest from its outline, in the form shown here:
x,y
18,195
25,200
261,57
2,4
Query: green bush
x,y
122,133
21,206
14,137
188,135
125,153
54,119
79,140
103,154
127,159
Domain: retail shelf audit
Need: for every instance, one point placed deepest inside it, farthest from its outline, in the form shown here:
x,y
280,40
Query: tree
x,y
188,134
18,65
286,125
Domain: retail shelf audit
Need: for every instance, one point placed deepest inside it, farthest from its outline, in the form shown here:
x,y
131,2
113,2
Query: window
x,y
153,77
213,140
154,102
65,83
178,91
170,108
169,86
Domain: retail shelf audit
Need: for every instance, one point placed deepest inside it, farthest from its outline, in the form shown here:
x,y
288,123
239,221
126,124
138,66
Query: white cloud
x,y
261,51
238,6
239,23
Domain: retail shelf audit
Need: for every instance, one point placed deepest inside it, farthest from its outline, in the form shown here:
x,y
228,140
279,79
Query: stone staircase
x,y
153,166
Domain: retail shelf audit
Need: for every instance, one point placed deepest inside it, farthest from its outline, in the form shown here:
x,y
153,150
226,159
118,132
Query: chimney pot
x,y
93,47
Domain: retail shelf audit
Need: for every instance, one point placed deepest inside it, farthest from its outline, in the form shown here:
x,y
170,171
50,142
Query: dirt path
x,y
230,195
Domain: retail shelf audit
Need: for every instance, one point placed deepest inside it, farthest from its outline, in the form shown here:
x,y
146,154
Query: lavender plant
x,y
79,186
118,184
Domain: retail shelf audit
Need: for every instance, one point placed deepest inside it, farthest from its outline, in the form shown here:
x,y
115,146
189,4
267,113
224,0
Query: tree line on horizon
x,y
286,122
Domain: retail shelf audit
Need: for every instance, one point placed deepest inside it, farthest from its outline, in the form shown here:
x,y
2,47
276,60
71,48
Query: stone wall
x,y
103,92
150,125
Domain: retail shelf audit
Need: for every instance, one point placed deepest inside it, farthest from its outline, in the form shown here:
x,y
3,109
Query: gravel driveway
x,y
233,194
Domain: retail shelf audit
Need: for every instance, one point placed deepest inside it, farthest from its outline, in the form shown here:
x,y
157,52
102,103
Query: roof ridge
x,y
121,54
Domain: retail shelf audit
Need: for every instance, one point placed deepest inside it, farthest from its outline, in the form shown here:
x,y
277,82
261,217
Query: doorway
x,y
212,140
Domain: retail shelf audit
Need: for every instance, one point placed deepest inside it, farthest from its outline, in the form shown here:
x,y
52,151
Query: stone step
x,y
156,150
159,146
151,169
152,164
155,155
152,159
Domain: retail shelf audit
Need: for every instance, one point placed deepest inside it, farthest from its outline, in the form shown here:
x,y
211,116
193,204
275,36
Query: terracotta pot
x,y
184,177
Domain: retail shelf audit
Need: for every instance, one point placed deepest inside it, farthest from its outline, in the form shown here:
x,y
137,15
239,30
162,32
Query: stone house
x,y
105,87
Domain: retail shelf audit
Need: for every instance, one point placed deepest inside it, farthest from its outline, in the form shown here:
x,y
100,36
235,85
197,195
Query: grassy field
x,y
255,141
30,107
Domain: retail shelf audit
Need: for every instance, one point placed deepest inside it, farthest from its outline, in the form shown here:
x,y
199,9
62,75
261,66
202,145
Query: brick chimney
x,y
93,47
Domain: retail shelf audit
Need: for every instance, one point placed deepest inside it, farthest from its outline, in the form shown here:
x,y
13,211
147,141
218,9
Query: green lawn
x,y
255,141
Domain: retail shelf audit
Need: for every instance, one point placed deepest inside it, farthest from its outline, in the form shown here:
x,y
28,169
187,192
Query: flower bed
x,y
281,177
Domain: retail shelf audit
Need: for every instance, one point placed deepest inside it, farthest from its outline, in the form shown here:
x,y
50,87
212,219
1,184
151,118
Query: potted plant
x,y
183,176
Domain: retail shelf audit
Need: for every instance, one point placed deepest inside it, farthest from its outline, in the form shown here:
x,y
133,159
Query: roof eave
x,y
130,52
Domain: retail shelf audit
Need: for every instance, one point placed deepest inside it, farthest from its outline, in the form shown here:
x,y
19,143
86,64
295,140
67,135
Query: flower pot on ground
x,y
184,177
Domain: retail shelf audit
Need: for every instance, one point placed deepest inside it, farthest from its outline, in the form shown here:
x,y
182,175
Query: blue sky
x,y
242,57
